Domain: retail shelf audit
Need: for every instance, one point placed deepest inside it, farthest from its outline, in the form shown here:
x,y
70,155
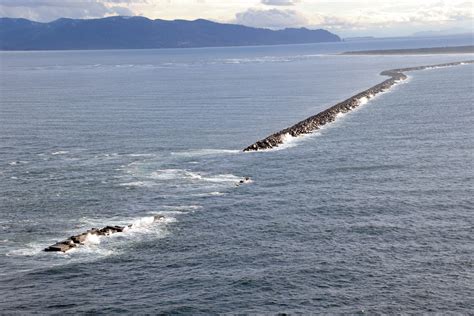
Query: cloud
x,y
280,2
341,16
47,10
436,15
273,18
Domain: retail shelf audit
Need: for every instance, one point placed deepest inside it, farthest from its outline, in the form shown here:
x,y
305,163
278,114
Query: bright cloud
x,y
280,2
271,18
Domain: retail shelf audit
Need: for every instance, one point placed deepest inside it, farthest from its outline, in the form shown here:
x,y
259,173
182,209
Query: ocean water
x,y
371,214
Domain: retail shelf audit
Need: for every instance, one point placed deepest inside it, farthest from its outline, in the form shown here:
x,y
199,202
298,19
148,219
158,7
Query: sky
x,y
381,18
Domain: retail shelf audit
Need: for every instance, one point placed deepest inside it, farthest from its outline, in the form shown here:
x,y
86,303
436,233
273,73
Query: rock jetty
x,y
77,240
314,122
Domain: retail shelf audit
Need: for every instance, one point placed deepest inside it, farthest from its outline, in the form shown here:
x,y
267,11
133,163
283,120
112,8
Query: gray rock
x,y
77,240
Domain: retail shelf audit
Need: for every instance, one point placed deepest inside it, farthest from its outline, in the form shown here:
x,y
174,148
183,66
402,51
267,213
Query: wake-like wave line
x,y
314,122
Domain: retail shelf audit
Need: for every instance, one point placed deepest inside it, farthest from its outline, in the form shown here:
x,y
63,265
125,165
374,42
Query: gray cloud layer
x,y
47,10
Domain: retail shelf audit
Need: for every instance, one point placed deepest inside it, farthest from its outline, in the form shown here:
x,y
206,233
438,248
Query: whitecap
x,y
137,184
169,174
220,178
60,152
214,193
183,174
141,155
30,249
206,152
192,207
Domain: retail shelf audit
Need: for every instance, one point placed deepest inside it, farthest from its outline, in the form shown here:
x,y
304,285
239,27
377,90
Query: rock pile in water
x,y
75,241
314,122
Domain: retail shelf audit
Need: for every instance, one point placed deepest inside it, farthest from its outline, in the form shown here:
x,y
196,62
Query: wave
x,y
269,59
214,193
143,184
329,115
205,152
141,155
184,180
183,174
139,227
60,152
17,162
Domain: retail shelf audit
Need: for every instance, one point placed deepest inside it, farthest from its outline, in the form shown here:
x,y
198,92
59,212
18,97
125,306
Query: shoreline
x,y
314,122
468,49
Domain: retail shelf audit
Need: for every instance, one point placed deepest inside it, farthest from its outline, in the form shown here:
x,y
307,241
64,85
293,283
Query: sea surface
x,y
372,214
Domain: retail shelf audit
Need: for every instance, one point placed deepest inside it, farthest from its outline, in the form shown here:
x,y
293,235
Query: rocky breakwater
x,y
314,122
81,239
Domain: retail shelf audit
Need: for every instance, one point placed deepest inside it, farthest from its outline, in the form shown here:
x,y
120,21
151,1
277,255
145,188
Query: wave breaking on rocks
x,y
314,122
81,239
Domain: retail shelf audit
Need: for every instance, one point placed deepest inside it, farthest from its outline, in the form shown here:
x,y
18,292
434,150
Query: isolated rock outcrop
x,y
75,241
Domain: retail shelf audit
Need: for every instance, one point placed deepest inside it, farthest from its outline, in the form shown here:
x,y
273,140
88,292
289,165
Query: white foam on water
x,y
146,227
141,155
124,65
288,142
168,174
363,101
60,152
92,239
30,249
182,208
183,174
265,59
99,246
205,152
141,184
17,162
143,222
214,193
221,178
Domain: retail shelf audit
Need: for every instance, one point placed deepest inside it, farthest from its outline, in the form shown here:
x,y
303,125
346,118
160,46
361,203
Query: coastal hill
x,y
139,32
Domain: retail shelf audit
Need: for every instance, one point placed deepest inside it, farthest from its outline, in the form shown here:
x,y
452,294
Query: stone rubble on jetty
x,y
314,122
75,241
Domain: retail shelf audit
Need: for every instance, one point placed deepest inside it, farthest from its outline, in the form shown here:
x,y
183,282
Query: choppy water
x,y
373,213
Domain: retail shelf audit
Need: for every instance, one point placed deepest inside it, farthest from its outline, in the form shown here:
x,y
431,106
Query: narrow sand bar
x,y
416,51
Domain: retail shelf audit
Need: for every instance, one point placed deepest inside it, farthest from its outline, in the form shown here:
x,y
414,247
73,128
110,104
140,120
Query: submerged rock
x,y
243,181
75,241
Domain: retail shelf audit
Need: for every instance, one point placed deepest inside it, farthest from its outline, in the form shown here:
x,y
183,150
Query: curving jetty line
x,y
77,240
314,122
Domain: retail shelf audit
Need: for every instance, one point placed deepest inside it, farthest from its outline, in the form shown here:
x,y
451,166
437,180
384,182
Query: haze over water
x,y
373,213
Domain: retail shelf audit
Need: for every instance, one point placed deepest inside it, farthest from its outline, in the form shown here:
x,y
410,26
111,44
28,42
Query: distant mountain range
x,y
140,32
